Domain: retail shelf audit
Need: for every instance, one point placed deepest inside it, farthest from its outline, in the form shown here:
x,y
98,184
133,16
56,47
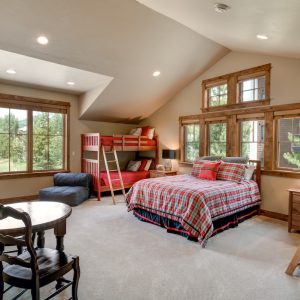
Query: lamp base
x,y
168,165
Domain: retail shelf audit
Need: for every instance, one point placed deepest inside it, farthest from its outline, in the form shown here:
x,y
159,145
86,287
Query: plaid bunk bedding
x,y
193,202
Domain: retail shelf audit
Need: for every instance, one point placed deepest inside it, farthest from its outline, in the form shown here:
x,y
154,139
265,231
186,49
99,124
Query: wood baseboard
x,y
18,199
274,215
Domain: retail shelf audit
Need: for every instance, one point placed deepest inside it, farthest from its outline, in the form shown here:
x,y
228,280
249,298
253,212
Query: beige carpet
x,y
123,258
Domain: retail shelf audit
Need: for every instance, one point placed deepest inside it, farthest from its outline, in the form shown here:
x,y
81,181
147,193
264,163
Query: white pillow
x,y
133,166
136,131
148,164
249,170
151,133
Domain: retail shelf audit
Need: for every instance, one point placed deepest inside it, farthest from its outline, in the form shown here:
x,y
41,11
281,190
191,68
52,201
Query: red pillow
x,y
145,130
206,169
143,164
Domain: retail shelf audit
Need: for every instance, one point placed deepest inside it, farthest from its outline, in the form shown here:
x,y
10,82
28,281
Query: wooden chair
x,y
34,268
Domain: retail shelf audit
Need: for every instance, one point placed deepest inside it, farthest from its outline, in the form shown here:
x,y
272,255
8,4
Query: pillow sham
x,y
249,170
136,131
205,169
148,132
133,166
231,172
148,165
235,159
143,164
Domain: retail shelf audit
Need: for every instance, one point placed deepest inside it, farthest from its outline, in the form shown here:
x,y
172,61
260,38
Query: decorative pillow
x,y
148,165
148,132
231,172
205,169
249,170
235,160
133,166
136,131
143,164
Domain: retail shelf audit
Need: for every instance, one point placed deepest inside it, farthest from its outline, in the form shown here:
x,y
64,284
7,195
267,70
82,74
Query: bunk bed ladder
x,y
108,170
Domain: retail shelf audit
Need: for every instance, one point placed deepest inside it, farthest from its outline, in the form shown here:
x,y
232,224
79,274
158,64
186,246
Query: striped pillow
x,y
205,169
231,172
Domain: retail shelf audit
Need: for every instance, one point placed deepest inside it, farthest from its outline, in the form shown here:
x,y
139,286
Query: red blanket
x,y
193,202
128,177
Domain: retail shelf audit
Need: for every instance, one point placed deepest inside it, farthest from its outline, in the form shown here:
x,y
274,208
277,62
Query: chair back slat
x,y
13,260
5,212
9,240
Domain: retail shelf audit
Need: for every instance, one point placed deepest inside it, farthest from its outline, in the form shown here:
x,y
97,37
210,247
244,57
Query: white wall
x,y
285,78
30,186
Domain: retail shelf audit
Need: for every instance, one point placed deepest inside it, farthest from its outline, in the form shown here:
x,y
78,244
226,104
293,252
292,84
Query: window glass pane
x,y
55,124
18,152
4,152
191,141
253,89
4,120
217,95
40,152
40,122
217,139
55,152
288,143
252,140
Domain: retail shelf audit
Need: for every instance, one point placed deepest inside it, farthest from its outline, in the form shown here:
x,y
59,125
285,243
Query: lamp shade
x,y
169,154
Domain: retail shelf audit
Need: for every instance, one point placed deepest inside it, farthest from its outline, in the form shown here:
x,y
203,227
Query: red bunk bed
x,y
91,147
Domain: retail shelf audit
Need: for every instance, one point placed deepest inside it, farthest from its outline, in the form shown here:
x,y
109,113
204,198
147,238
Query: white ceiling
x,y
41,73
237,28
119,38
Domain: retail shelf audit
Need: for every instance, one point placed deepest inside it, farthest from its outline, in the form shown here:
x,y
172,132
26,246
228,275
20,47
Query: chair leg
x,y
35,293
20,250
76,276
1,273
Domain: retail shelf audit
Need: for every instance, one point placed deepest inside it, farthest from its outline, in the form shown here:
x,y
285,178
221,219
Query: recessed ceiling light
x,y
261,37
42,40
221,7
11,71
71,83
156,73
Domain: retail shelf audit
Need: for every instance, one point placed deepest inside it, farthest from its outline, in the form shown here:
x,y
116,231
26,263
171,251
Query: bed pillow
x,y
133,166
148,165
136,131
148,132
210,158
235,159
249,170
231,172
206,169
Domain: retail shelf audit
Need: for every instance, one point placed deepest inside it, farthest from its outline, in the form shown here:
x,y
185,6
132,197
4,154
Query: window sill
x,y
237,105
29,175
280,173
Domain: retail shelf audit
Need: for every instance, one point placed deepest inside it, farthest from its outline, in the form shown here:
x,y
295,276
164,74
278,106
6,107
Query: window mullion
x,y
30,141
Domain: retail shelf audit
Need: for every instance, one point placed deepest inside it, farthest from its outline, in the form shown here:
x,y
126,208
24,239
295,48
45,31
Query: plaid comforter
x,y
192,202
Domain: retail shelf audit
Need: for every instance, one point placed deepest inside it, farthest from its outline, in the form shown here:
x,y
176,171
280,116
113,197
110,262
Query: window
x,y
217,139
288,143
13,140
246,88
191,141
252,89
252,139
33,135
217,95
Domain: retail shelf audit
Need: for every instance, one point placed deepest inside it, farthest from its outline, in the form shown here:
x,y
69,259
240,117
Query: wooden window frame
x,y
267,113
34,104
233,93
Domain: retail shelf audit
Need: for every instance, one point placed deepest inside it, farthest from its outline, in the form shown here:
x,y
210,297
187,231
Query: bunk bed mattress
x,y
128,177
108,141
193,203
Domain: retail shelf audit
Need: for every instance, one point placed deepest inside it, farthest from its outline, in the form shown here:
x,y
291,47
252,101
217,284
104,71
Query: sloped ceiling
x,y
119,38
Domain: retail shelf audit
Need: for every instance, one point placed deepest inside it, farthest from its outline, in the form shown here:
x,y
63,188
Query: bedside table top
x,y
294,190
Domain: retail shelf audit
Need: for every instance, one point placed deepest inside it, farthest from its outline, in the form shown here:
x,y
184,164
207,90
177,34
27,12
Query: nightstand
x,y
294,209
157,173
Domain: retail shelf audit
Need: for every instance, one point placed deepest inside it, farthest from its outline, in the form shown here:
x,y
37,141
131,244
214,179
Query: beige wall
x,y
30,186
285,78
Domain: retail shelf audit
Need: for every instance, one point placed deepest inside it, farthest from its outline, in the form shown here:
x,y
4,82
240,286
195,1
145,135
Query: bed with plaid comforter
x,y
193,202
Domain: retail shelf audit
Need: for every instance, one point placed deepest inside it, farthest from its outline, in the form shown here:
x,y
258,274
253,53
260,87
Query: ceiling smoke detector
x,y
221,7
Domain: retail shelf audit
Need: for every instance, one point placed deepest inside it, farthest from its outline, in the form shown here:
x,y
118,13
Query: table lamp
x,y
168,155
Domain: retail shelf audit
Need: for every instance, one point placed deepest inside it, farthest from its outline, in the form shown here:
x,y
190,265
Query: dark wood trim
x,y
29,175
277,173
274,215
19,199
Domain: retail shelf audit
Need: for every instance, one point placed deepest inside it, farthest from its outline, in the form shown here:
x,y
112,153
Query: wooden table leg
x,y
41,239
60,231
294,263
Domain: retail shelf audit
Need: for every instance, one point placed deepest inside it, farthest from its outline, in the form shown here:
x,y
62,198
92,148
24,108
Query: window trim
x,y
267,113
233,97
35,104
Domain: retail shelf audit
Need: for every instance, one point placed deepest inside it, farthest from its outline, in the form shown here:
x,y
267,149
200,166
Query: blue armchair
x,y
69,188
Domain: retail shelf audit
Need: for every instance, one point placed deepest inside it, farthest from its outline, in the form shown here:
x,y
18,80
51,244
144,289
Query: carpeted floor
x,y
123,258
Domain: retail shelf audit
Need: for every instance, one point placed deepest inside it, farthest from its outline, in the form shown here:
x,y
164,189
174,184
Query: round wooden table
x,y
44,215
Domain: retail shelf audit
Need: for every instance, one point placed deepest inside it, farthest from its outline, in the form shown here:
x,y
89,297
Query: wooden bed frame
x,y
91,142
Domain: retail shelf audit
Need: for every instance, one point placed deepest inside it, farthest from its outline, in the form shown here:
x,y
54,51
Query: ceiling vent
x,y
221,7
